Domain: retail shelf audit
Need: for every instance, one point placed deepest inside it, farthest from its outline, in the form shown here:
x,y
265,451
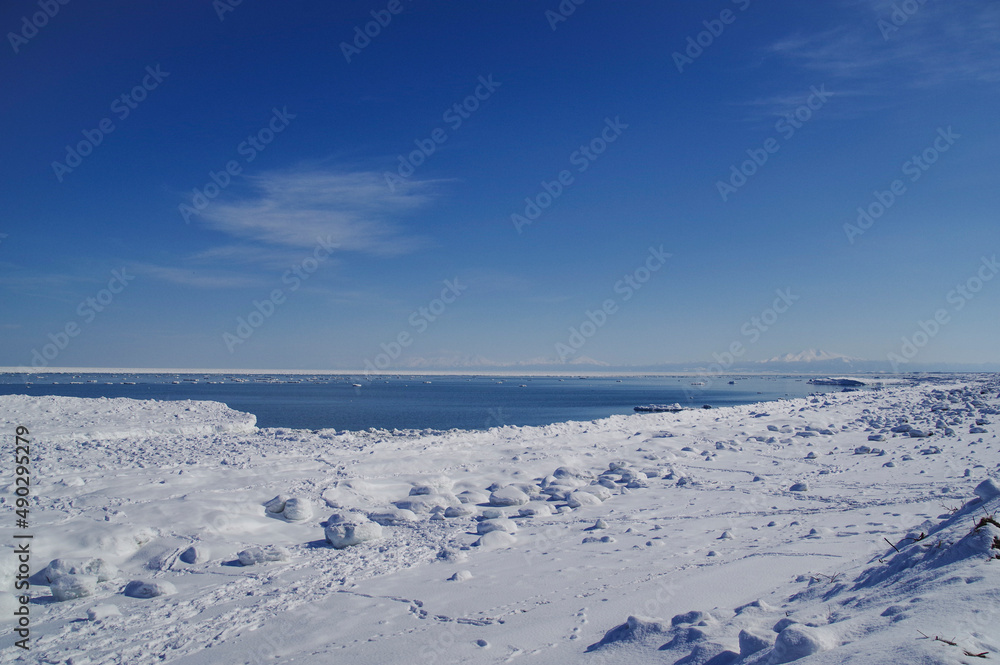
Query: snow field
x,y
750,534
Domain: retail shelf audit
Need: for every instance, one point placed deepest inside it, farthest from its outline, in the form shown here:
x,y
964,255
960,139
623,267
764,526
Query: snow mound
x,y
276,505
64,419
195,554
433,485
499,524
572,472
99,568
535,509
140,589
103,611
427,503
988,489
508,496
753,641
495,540
635,629
253,556
580,498
472,496
855,619
346,530
798,641
297,509
396,516
71,587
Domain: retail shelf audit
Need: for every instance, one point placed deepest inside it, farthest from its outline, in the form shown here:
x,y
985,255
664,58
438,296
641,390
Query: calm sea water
x,y
416,402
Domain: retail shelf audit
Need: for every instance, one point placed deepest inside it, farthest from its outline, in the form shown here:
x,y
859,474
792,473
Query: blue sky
x,y
249,172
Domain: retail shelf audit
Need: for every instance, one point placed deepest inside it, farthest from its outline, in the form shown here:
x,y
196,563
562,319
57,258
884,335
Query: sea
x,y
403,402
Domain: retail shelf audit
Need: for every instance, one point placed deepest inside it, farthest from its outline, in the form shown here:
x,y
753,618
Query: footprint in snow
x,y
582,616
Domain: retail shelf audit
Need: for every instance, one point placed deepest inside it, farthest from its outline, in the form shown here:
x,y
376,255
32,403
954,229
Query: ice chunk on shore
x,y
71,587
581,498
500,524
600,491
345,530
534,509
572,472
508,496
798,641
635,629
195,554
266,554
297,509
495,540
694,616
751,642
988,489
435,485
394,516
140,589
97,567
426,503
276,505
472,496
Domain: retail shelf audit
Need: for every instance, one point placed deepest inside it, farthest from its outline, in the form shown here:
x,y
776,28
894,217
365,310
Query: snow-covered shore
x,y
749,534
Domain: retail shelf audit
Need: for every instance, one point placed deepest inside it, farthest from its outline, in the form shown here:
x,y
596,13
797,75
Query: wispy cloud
x,y
762,109
199,278
286,214
259,256
23,281
940,43
294,208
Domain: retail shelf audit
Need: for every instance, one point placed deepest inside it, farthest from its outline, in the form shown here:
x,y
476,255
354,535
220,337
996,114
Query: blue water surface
x,y
418,402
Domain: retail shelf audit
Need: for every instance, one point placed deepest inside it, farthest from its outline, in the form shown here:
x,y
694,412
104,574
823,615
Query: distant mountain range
x,y
817,361
465,361
812,356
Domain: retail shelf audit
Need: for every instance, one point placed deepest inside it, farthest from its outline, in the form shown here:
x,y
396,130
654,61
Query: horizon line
x,y
624,371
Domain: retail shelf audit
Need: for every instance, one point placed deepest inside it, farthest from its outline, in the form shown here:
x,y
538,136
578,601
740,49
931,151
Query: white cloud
x,y
294,208
941,43
285,215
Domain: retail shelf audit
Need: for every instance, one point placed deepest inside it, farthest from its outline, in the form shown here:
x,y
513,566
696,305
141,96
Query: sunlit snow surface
x,y
672,538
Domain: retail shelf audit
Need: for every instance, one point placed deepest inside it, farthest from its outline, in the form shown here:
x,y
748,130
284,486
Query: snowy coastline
x,y
747,534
